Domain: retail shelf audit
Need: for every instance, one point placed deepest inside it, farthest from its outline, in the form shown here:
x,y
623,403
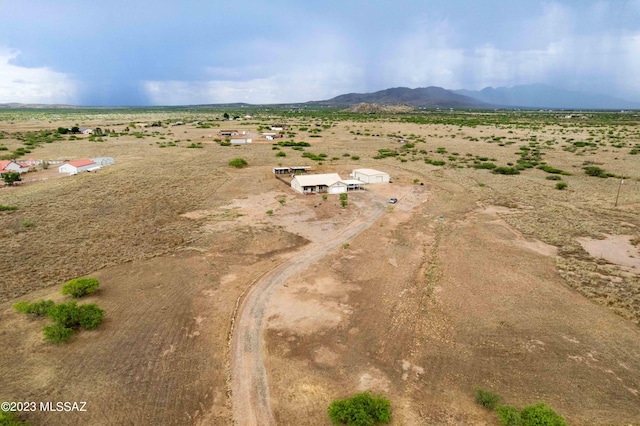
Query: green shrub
x,y
506,171
80,287
39,308
355,157
7,208
238,163
487,398
269,212
561,185
71,315
8,418
489,166
90,316
57,333
437,163
553,177
509,416
596,171
281,154
362,409
541,415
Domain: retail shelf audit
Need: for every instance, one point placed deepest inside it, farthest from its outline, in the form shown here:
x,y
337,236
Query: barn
x,y
370,176
77,166
329,183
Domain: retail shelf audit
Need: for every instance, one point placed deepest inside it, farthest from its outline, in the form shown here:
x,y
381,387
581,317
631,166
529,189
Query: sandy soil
x,y
472,279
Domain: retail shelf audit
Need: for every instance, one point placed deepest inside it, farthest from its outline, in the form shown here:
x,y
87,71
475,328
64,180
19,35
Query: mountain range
x,y
532,96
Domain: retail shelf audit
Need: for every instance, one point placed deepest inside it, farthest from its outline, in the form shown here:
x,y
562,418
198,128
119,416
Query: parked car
x,y
393,200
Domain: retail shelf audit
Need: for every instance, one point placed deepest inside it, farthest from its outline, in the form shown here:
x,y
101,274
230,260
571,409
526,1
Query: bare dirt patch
x,y
616,249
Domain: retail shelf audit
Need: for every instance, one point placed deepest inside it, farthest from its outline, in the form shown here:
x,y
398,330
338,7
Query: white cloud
x,y
289,85
33,85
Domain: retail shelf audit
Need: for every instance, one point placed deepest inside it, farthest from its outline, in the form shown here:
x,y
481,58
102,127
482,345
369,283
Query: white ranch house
x,y
370,176
78,166
12,166
330,183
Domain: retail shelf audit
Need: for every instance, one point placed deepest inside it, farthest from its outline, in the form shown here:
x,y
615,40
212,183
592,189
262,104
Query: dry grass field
x,y
473,279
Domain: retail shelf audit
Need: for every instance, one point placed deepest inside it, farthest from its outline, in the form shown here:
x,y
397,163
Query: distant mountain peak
x,y
421,97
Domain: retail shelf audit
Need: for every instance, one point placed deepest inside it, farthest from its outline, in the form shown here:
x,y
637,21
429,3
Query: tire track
x,y
249,382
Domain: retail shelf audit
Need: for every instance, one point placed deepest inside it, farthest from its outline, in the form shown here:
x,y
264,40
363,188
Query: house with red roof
x,y
12,166
77,166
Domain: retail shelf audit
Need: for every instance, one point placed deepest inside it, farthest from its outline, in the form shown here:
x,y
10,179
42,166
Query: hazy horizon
x,y
133,54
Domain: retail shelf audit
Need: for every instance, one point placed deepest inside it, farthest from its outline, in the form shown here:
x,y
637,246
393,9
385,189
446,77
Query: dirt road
x,y
250,386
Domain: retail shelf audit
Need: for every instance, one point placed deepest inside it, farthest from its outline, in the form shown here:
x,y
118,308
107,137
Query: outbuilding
x,y
77,166
370,176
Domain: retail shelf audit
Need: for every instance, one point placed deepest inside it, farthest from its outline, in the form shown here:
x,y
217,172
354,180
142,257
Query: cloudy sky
x,y
162,52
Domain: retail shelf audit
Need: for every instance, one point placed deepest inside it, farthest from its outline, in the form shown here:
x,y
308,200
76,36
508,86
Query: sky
x,y
141,53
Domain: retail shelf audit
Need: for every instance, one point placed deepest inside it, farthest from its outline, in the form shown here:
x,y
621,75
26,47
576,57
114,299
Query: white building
x,y
330,183
77,166
12,166
370,176
240,141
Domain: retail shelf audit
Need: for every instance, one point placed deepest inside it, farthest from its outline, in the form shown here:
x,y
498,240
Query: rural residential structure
x,y
330,183
77,166
370,176
227,132
12,166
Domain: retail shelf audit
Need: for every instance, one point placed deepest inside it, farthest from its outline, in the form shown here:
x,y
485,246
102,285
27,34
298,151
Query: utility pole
x,y
619,188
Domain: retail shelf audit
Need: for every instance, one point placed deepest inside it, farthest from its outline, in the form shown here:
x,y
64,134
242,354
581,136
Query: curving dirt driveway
x,y
249,382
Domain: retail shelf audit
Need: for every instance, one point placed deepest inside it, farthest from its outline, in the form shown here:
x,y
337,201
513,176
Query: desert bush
x,y
509,416
238,163
269,212
487,398
489,166
7,208
553,177
561,185
355,157
39,308
552,170
281,154
90,316
541,415
71,315
80,287
57,333
362,409
8,418
596,171
506,171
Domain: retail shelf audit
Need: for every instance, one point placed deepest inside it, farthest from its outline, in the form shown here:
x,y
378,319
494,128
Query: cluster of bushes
x,y
386,152
67,317
238,163
434,162
314,157
506,171
292,143
552,170
362,409
533,415
597,172
343,200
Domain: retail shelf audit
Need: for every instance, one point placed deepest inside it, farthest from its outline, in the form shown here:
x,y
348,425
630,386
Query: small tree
x,y
80,287
238,163
10,178
362,409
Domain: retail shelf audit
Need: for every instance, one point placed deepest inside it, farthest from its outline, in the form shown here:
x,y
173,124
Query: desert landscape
x,y
510,262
